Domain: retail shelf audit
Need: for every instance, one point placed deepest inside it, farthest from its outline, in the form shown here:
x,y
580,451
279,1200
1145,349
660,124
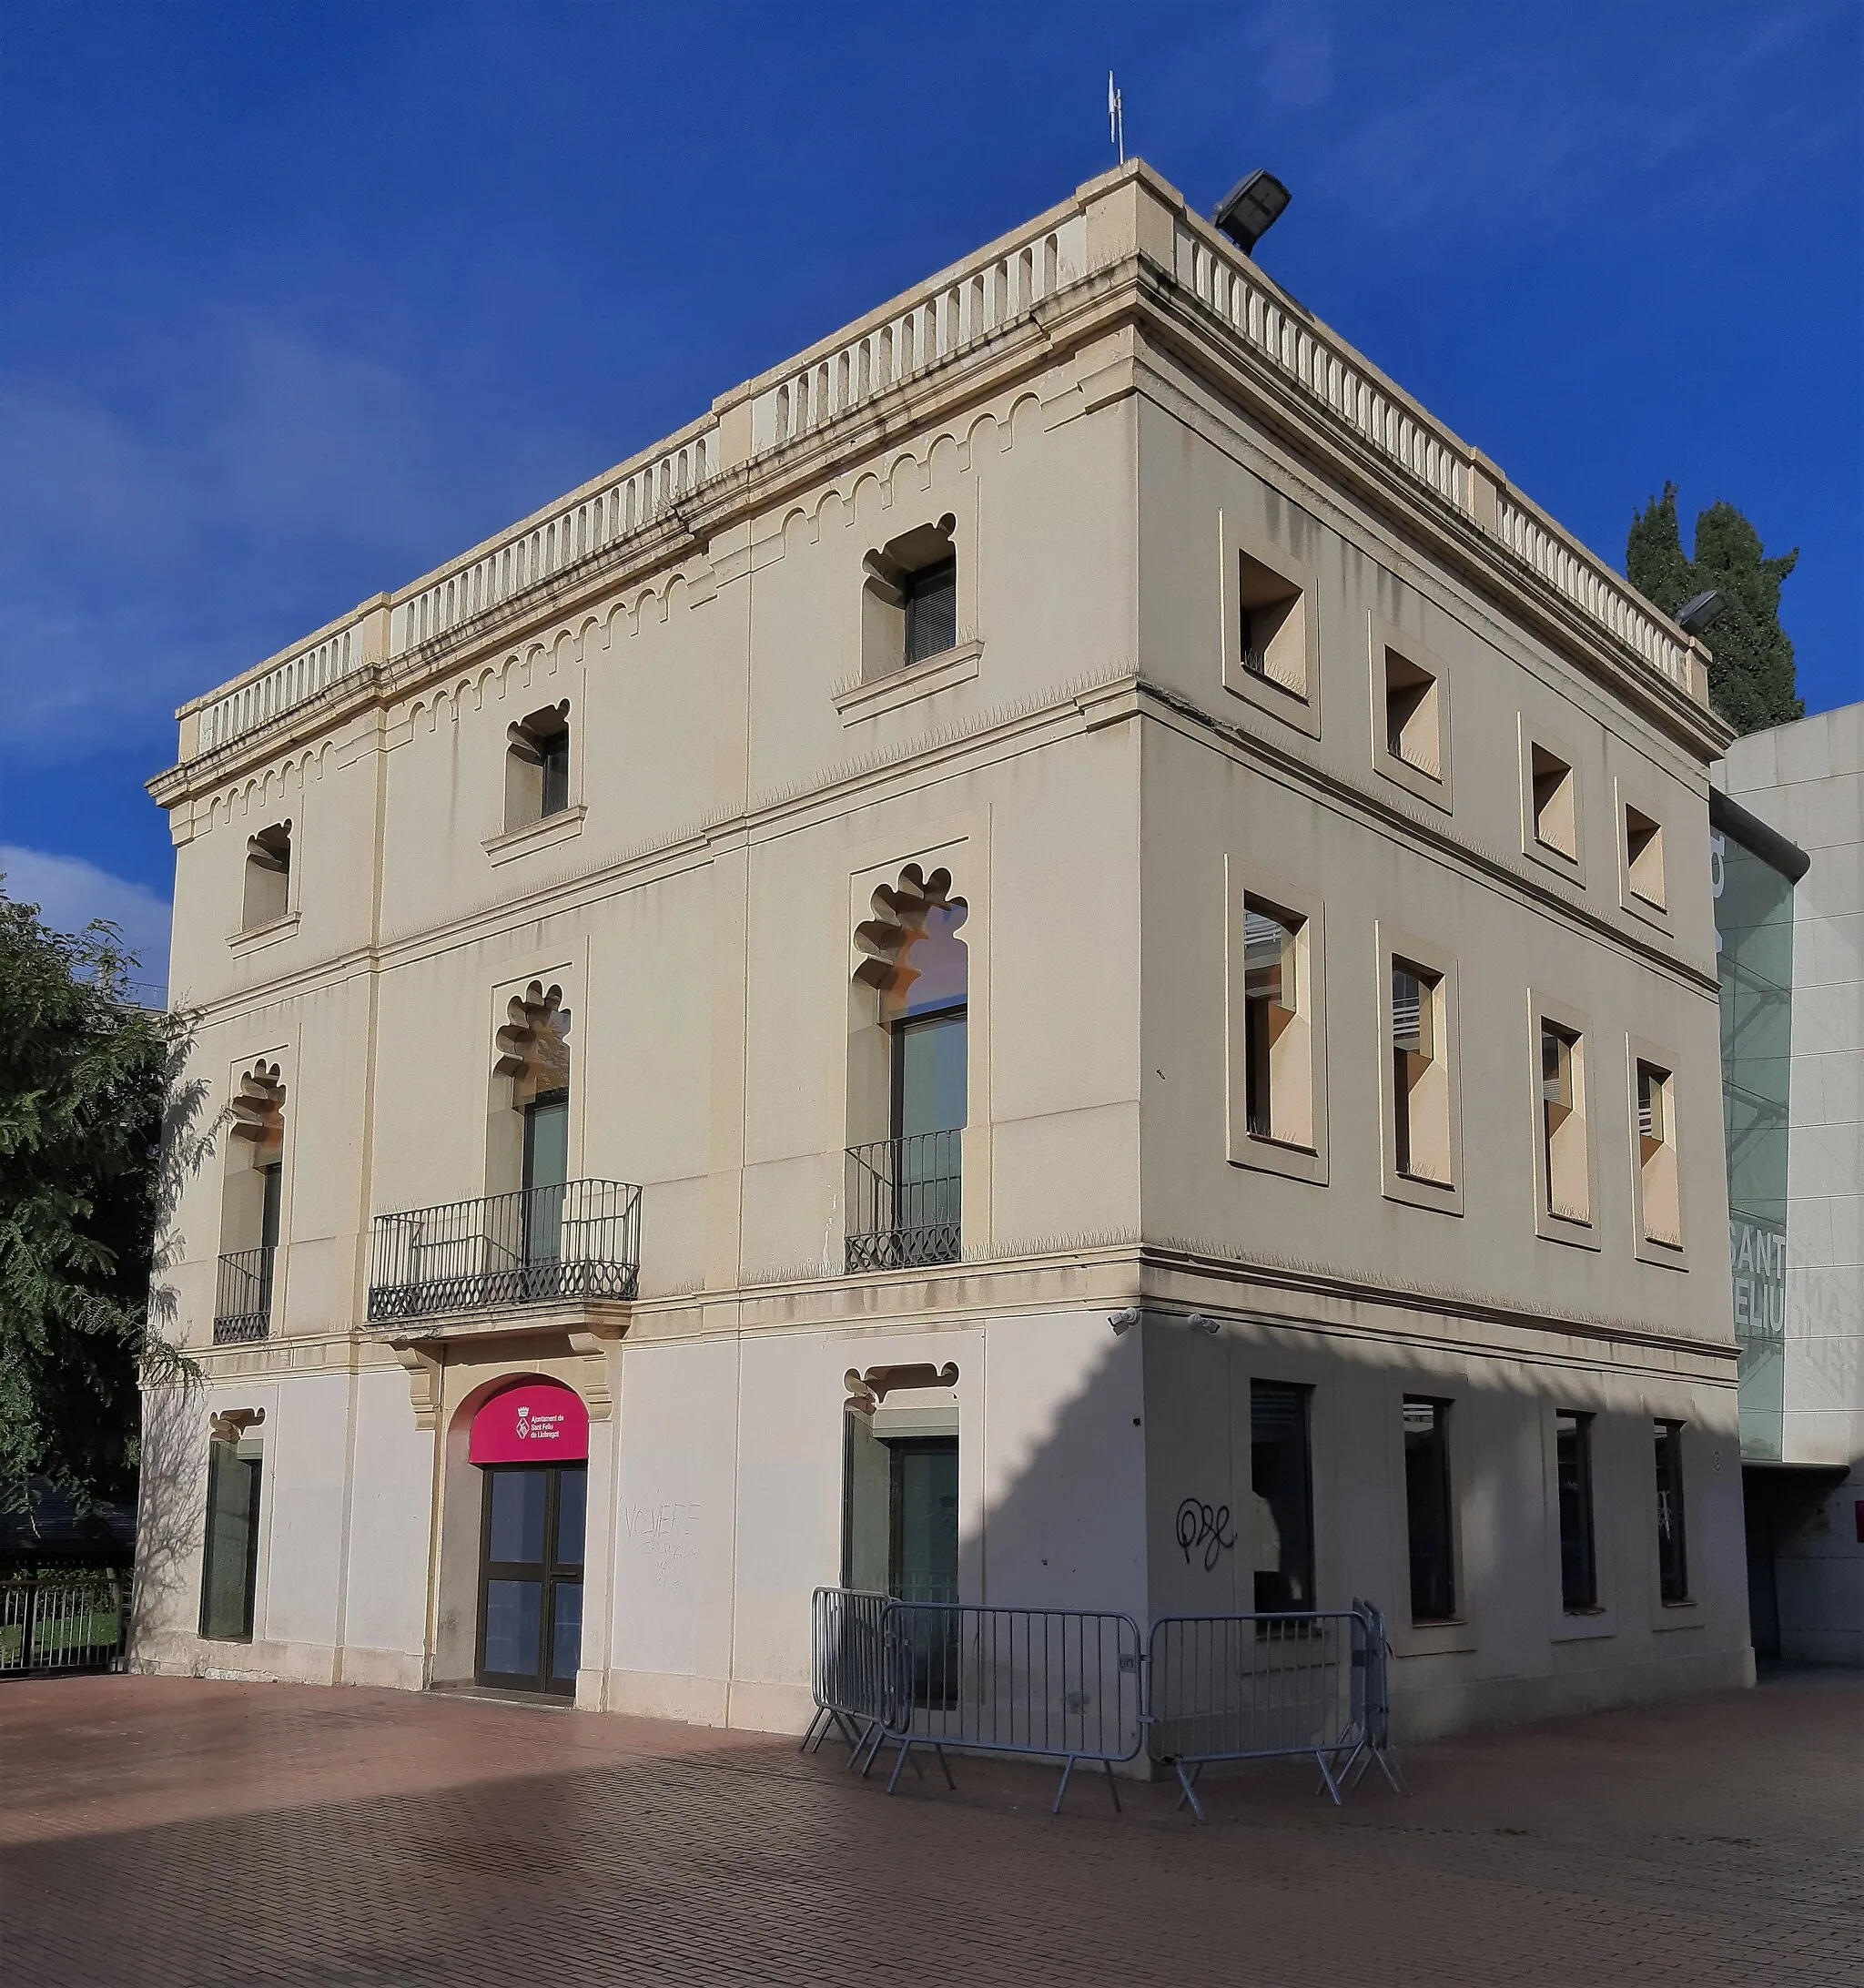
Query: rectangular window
x,y
931,611
1660,1210
1644,856
1273,626
1555,811
1565,1158
1277,1035
230,1564
1573,1467
1672,1555
1428,1510
1419,1076
1281,1496
1412,729
554,773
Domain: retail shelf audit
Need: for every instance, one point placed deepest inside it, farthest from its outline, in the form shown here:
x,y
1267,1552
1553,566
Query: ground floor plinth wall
x,y
1535,1540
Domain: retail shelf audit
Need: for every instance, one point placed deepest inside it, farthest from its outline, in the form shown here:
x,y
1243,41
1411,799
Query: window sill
x,y
1573,1231
1269,694
1443,1635
254,938
909,682
564,825
1419,1191
1585,1624
1676,1615
1282,1156
1643,907
1662,1254
1427,787
1556,860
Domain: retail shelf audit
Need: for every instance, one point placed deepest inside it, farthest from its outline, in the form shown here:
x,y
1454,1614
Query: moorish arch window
x,y
531,1053
908,1076
251,1197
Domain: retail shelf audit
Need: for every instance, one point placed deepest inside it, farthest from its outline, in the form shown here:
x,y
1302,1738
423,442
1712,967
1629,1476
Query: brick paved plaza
x,y
181,1834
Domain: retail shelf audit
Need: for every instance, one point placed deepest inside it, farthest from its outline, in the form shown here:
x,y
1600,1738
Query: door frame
x,y
548,1573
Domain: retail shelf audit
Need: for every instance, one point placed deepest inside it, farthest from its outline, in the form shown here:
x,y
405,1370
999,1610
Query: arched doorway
x,y
530,1445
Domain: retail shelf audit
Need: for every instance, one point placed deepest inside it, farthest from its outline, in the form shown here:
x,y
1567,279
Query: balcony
x,y
243,1296
558,1245
903,1202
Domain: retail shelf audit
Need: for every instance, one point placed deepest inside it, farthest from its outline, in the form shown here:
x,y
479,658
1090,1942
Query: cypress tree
x,y
1750,671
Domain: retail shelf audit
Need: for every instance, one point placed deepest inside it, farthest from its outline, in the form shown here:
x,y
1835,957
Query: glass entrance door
x,y
531,1575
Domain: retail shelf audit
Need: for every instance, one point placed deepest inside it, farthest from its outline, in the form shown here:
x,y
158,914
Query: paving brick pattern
x,y
173,1834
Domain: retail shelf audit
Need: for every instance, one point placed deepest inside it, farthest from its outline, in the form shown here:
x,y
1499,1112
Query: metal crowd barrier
x,y
1077,1685
70,1621
1254,1687
847,1675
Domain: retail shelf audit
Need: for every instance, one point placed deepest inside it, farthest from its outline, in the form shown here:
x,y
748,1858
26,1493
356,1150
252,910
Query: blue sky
x,y
298,299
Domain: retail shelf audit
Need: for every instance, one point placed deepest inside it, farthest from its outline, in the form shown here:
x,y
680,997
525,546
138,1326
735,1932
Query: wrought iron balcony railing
x,y
904,1197
538,1246
243,1296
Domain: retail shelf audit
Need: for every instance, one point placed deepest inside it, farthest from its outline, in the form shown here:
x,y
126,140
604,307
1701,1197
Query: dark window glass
x,y
269,1210
924,1486
931,611
516,1529
928,1071
555,765
572,1500
1428,1510
230,1567
1281,1496
1573,1464
1672,1558
566,1635
513,1616
1268,1002
546,1168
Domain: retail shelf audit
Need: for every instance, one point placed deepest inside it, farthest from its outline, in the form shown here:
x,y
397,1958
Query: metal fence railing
x,y
1252,1687
577,1239
904,1200
847,1674
63,1621
243,1296
1080,1685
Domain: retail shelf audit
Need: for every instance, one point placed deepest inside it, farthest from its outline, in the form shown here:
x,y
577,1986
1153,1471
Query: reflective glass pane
x,y
513,1616
925,1520
1281,1524
931,1074
572,1500
566,1633
517,1515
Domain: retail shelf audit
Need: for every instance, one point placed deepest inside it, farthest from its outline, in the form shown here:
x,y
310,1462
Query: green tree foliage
x,y
85,1077
1750,671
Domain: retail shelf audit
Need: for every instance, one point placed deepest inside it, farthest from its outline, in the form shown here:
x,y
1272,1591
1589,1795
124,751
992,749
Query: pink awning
x,y
537,1422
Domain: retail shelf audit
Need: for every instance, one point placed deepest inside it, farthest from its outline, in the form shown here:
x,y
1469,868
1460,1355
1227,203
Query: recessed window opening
x,y
908,1076
1644,856
252,1199
1413,730
1420,1075
268,876
1281,1536
1658,1188
900,1528
1277,1049
1573,1468
909,600
1429,1513
229,1559
1555,823
1672,1554
1273,625
1563,1122
537,766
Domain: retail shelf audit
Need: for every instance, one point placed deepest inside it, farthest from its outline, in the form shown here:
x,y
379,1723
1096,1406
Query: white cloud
x,y
70,893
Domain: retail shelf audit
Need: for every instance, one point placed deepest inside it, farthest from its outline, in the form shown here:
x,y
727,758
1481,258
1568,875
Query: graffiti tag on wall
x,y
1204,1528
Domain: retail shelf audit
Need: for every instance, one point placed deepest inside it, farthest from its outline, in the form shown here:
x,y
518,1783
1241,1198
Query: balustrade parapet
x,y
962,310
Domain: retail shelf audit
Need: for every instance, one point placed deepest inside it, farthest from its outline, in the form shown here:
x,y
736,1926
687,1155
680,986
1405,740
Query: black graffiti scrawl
x,y
1206,1526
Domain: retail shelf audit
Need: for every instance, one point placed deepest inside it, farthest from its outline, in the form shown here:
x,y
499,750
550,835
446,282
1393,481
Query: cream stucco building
x,y
1062,956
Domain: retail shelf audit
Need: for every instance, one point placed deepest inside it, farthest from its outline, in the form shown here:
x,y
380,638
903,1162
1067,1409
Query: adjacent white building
x,y
1062,956
1793,1034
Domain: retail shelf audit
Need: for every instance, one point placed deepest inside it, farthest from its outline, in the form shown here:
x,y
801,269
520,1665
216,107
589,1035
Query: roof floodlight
x,y
1696,614
1251,209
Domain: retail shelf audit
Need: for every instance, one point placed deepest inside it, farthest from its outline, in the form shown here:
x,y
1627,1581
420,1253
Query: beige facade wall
x,y
1103,781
